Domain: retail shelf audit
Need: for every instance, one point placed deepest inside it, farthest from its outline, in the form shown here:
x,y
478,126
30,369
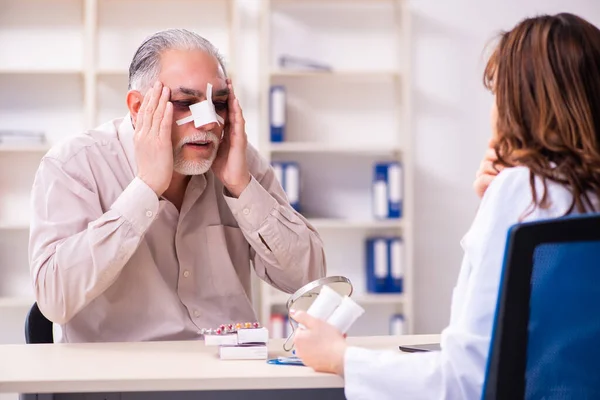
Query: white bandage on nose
x,y
203,113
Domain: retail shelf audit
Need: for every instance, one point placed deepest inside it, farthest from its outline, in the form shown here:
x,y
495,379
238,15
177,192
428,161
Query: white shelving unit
x,y
364,299
24,149
64,69
343,223
64,65
349,148
338,124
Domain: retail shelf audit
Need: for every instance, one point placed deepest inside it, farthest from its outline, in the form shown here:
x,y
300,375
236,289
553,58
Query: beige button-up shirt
x,y
112,262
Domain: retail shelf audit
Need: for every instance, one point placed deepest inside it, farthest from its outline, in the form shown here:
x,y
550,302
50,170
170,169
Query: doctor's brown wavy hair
x,y
545,74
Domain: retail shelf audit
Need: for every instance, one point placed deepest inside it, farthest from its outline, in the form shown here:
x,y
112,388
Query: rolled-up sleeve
x,y
287,250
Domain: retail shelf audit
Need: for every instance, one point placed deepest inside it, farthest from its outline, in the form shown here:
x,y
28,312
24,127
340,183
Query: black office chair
x,y
546,338
38,329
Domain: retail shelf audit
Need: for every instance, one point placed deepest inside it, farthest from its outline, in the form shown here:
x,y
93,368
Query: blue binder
x,y
278,170
385,264
380,191
277,114
291,177
387,190
397,324
396,265
377,264
288,174
395,186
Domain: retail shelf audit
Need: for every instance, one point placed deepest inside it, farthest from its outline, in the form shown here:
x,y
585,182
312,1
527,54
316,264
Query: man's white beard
x,y
197,167
194,167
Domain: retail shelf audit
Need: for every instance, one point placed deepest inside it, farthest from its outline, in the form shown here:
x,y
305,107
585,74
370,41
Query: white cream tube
x,y
325,303
345,315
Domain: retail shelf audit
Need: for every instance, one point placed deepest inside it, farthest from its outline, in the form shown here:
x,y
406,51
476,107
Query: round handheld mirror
x,y
303,298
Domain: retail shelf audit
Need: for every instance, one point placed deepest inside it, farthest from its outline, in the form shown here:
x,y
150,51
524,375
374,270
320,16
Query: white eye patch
x,y
203,113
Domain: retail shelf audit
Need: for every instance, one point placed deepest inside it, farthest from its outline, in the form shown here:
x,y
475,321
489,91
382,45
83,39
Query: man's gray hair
x,y
145,66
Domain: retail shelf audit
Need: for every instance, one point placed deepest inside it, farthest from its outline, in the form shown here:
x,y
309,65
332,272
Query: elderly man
x,y
146,227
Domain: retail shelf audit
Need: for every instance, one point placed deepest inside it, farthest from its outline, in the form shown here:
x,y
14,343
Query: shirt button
x,y
246,211
186,273
149,214
196,313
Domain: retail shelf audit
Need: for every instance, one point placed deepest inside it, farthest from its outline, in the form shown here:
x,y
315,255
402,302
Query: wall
x,y
451,129
450,124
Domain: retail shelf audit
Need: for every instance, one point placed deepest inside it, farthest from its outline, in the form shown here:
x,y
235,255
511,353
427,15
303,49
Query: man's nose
x,y
211,126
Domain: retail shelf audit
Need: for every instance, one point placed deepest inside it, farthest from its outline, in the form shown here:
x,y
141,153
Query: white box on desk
x,y
242,336
243,352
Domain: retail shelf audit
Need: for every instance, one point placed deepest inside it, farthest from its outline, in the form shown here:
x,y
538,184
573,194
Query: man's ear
x,y
134,102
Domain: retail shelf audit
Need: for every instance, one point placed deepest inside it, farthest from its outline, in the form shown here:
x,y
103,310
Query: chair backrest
x,y
546,338
38,329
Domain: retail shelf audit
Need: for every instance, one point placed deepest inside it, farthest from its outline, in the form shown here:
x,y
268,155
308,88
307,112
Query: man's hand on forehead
x,y
230,166
152,139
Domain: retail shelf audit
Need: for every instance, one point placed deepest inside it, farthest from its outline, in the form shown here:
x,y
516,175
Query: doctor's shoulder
x,y
510,185
504,202
511,195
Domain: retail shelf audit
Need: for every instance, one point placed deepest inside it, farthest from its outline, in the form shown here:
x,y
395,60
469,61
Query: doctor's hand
x,y
486,172
152,139
320,345
230,165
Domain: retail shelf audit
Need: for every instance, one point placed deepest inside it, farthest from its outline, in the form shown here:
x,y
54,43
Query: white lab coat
x,y
458,370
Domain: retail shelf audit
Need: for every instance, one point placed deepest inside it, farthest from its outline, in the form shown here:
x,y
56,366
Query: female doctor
x,y
545,74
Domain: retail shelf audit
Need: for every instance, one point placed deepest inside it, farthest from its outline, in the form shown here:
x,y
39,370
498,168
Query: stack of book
x,y
246,341
16,137
295,63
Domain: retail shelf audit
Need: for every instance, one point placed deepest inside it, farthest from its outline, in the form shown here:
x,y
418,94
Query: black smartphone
x,y
420,348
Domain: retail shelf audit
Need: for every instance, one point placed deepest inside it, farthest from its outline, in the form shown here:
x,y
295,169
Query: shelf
x,y
353,2
44,36
334,74
361,298
16,302
24,148
41,71
14,226
334,223
53,105
117,38
313,147
379,298
112,71
123,72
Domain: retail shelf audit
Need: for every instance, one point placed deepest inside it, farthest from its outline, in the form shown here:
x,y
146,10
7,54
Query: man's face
x,y
186,74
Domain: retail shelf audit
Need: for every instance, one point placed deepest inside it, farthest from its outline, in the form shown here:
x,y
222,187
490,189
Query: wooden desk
x,y
161,367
